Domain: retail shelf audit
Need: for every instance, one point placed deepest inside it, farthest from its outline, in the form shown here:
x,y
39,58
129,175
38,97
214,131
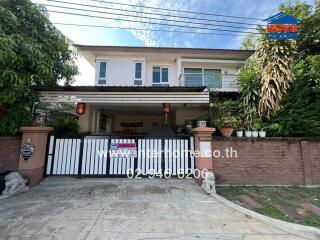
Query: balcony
x,y
214,82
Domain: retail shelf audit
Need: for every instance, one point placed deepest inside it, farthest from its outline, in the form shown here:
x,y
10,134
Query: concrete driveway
x,y
95,209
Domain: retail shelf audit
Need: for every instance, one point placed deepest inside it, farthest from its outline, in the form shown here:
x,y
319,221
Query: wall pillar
x,y
33,168
203,150
305,154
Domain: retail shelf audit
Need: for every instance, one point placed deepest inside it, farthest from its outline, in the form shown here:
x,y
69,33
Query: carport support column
x,y
32,168
203,150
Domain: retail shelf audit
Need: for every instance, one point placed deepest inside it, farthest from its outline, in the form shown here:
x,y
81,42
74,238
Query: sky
x,y
258,9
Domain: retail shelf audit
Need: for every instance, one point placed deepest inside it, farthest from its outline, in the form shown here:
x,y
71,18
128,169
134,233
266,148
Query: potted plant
x,y
262,133
239,131
247,132
226,125
256,126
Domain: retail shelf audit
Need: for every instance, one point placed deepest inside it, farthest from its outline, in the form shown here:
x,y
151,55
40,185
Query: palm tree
x,y
275,59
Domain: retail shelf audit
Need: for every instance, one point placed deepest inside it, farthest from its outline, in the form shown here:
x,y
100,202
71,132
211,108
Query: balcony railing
x,y
214,82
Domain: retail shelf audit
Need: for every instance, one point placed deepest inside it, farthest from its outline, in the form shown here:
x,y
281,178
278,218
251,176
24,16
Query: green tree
x,y
32,52
300,113
250,42
309,36
298,9
317,7
276,60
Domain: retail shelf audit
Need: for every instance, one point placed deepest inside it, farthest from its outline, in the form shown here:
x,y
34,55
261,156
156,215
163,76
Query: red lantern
x,y
81,108
166,107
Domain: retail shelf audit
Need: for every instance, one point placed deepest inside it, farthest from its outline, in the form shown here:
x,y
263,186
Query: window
x,y
138,73
193,77
212,78
160,76
203,77
102,77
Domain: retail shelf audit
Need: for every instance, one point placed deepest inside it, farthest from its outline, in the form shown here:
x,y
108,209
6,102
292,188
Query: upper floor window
x,y
212,78
203,77
138,73
102,76
160,76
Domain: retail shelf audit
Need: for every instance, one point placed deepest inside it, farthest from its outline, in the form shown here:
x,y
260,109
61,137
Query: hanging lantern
x,y
166,110
166,107
81,108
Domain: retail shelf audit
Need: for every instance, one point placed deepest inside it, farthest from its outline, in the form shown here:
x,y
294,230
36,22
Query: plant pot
x,y
239,133
201,123
262,133
255,133
248,133
226,132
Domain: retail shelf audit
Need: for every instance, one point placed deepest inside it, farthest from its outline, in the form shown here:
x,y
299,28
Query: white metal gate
x,y
90,156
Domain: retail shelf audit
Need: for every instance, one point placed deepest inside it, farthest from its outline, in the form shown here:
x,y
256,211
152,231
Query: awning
x,y
112,94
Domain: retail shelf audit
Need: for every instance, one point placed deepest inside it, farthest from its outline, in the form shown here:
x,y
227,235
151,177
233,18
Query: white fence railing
x,y
214,82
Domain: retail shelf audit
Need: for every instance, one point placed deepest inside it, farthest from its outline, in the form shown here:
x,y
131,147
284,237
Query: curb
x,y
305,232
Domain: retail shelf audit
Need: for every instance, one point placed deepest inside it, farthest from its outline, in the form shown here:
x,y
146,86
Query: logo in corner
x,y
282,26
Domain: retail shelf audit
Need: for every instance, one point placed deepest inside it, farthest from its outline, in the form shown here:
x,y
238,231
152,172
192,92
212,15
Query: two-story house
x,y
133,83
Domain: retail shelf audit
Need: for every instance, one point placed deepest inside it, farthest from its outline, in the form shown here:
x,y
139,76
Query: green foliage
x,y
270,197
250,42
300,114
64,124
61,116
249,84
309,36
225,113
227,122
317,7
298,9
32,52
289,87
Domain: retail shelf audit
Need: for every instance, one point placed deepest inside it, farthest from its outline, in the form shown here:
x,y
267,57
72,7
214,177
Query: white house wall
x,y
170,63
121,69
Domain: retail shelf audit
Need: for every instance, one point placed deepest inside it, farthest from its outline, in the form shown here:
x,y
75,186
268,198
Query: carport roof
x,y
117,89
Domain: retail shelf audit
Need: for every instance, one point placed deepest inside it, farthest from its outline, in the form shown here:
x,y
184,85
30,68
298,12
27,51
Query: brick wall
x,y
268,161
314,148
9,153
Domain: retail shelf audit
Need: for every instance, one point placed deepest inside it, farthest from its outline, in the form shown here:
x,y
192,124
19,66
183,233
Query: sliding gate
x,y
93,156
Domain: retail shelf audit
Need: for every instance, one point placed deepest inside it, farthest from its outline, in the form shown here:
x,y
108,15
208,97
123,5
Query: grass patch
x,y
269,197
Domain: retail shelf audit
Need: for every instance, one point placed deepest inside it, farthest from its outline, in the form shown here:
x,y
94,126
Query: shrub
x,y
65,124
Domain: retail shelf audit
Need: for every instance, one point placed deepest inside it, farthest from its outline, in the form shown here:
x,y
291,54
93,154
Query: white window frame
x,y
98,72
142,72
202,72
161,67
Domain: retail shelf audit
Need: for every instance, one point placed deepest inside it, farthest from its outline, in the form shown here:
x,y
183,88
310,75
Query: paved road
x,y
126,209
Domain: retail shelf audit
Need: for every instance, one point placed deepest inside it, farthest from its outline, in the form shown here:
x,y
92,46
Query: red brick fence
x,y
9,153
274,161
294,161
